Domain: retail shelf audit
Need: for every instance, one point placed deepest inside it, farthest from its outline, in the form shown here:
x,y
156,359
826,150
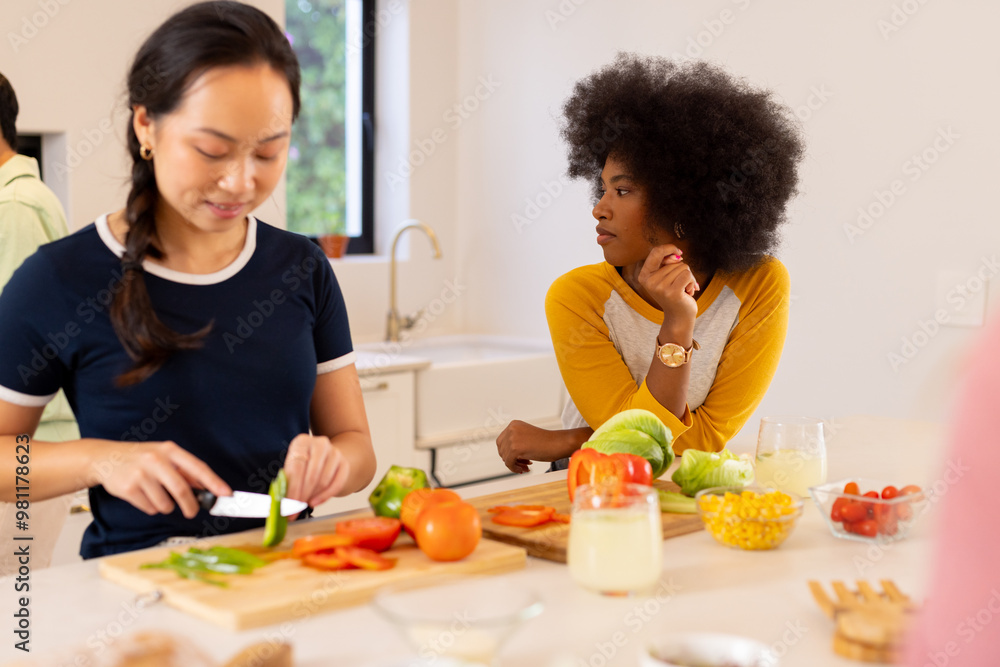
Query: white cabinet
x,y
389,404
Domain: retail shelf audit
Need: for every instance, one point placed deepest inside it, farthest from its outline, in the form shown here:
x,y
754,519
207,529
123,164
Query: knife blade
x,y
245,505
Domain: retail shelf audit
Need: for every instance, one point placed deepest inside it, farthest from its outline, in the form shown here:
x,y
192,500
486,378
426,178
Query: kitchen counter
x,y
704,586
371,364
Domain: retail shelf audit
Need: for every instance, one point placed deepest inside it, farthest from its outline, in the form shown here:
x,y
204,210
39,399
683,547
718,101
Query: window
x,y
330,171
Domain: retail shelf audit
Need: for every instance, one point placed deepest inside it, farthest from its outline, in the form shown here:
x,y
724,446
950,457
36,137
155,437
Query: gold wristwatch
x,y
673,355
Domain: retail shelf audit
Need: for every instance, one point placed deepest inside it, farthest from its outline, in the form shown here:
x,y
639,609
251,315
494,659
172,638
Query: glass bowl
x,y
711,649
464,618
890,520
752,518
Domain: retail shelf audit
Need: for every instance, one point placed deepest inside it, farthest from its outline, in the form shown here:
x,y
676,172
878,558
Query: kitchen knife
x,y
245,505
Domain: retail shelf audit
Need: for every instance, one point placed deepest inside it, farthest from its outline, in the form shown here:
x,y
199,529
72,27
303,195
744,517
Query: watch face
x,y
672,355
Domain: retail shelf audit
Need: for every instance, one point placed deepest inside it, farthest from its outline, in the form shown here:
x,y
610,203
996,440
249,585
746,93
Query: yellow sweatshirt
x,y
604,336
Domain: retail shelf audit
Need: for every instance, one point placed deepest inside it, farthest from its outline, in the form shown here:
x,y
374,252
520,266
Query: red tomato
x,y
448,531
319,543
376,533
889,492
366,559
885,517
837,512
852,489
416,501
870,507
853,511
868,528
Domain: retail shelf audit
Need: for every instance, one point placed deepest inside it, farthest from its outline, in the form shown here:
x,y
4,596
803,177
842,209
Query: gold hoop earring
x,y
678,230
145,152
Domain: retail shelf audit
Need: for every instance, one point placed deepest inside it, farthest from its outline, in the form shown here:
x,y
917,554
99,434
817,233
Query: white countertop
x,y
704,586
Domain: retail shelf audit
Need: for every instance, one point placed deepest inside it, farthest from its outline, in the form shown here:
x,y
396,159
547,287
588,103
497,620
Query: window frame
x,y
365,244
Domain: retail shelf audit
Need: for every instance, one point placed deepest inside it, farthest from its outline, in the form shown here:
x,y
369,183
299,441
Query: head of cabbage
x,y
638,432
702,470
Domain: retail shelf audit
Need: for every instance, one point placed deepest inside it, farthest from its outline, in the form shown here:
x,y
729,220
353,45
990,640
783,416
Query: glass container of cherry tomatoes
x,y
869,510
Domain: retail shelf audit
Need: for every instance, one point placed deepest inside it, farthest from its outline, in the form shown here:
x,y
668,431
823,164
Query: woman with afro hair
x,y
686,317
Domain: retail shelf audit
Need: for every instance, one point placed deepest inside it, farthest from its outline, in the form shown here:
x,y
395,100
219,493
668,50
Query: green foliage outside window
x,y
317,168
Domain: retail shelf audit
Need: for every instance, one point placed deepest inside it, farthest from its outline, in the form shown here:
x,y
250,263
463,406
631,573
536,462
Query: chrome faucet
x,y
395,323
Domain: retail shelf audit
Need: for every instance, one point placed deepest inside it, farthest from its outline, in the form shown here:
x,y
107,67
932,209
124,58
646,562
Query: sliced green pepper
x,y
200,564
388,496
276,525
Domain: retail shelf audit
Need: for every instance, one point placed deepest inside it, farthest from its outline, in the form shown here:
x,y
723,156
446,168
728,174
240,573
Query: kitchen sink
x,y
475,384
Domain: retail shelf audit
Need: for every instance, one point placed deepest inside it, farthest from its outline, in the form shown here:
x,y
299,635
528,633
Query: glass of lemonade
x,y
791,454
615,538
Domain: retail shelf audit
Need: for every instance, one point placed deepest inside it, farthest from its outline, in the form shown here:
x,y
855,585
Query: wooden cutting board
x,y
285,590
549,540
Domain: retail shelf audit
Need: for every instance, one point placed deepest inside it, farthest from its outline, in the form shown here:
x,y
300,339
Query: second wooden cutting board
x,y
549,541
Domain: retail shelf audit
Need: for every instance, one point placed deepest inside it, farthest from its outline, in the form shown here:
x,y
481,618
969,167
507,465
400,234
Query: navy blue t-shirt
x,y
278,319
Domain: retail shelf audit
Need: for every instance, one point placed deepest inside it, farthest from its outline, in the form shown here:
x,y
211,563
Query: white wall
x,y
475,168
67,61
886,99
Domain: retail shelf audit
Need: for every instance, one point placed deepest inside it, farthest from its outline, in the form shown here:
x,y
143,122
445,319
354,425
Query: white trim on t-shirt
x,y
336,364
25,400
104,231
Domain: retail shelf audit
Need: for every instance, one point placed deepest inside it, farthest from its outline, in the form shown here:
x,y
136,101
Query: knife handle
x,y
206,499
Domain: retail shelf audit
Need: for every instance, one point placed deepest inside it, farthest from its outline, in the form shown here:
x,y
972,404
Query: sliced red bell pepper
x,y
366,559
326,562
589,466
319,543
525,516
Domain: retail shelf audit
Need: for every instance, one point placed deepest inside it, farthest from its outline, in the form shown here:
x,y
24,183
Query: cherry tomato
x,y
376,533
852,489
910,489
870,507
853,511
868,528
836,513
889,492
449,530
904,512
885,517
416,501
319,544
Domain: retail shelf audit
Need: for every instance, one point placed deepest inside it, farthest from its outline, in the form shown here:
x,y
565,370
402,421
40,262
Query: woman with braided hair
x,y
198,346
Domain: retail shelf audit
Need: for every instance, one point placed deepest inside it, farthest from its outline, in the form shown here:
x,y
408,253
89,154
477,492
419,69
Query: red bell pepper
x,y
589,466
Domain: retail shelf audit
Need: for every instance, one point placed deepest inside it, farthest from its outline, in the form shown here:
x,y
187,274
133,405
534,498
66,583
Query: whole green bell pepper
x,y
388,496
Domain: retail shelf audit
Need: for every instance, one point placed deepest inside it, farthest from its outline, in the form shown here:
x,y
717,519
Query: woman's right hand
x,y
153,476
669,280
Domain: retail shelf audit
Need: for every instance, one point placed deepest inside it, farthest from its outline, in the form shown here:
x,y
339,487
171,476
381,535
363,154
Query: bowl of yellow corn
x,y
748,517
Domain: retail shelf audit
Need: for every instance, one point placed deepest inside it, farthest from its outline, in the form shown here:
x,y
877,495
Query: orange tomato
x,y
448,530
416,501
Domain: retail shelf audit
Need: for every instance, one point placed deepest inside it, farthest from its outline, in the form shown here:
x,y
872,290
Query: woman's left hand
x,y
316,470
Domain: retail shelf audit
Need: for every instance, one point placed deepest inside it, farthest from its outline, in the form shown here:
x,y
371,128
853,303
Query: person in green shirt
x,y
30,215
